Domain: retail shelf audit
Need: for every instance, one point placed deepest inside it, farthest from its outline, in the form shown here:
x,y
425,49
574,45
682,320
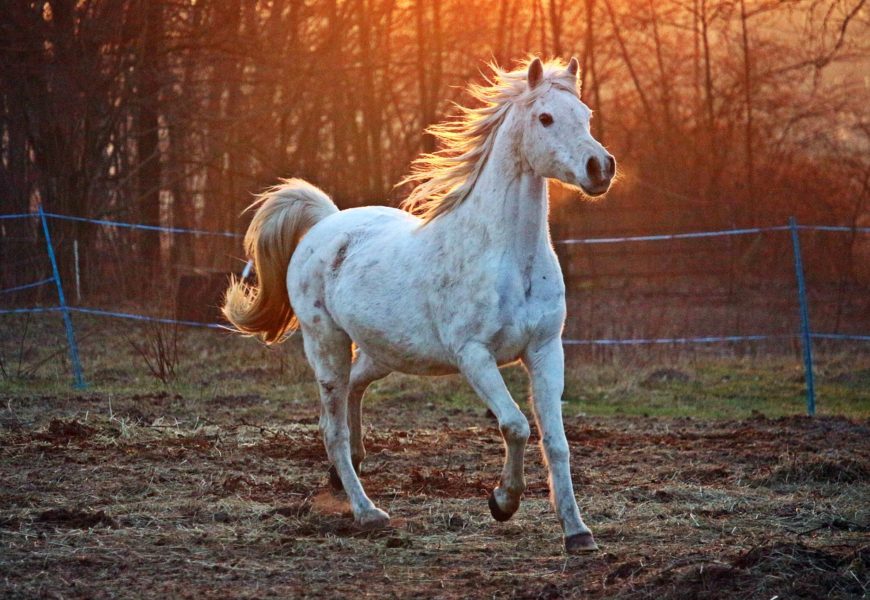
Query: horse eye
x,y
546,119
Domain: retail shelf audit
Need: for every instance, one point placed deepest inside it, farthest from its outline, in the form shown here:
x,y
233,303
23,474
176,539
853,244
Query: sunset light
x,y
435,299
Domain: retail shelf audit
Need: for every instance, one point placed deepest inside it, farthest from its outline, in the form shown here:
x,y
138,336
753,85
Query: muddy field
x,y
164,496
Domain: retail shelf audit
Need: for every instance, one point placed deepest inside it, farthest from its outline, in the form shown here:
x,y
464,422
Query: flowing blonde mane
x,y
444,178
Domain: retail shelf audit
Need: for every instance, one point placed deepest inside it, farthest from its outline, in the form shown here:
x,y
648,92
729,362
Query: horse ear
x,y
536,72
574,66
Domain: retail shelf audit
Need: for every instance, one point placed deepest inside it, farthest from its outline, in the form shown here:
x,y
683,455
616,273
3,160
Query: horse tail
x,y
284,213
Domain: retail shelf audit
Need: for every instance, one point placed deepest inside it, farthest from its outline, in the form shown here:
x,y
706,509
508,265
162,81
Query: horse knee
x,y
515,429
333,431
334,436
556,451
330,386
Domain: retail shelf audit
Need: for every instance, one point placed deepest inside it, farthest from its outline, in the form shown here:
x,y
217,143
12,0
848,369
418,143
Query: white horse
x,y
463,280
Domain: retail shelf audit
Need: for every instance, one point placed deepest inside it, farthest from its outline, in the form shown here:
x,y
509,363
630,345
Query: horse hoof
x,y
497,513
580,543
373,519
334,479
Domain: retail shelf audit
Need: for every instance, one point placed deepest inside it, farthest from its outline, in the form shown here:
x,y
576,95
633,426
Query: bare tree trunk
x,y
542,26
502,50
708,70
373,122
14,190
338,110
437,59
148,139
556,10
849,271
626,58
182,249
532,23
240,20
429,66
665,83
589,58
696,88
427,141
747,95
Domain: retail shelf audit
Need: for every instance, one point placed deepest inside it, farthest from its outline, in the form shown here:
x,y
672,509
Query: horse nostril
x,y
593,170
611,167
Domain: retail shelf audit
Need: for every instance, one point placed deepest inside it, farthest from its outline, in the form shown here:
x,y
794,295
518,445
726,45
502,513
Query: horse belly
x,y
385,317
400,358
407,345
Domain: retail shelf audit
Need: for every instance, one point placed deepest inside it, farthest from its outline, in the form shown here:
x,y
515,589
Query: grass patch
x,y
215,364
727,387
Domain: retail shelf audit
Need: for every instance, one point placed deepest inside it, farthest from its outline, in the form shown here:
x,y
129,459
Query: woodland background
x,y
721,114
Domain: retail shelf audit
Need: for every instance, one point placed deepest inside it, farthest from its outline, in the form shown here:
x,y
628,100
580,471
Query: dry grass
x,y
170,496
214,485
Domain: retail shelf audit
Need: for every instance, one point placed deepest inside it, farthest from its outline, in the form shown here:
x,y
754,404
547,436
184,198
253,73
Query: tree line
x,y
721,113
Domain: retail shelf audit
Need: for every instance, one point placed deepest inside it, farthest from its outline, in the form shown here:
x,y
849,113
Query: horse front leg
x,y
480,368
546,365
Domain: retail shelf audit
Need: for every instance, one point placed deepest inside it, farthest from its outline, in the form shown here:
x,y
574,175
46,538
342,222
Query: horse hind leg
x,y
328,349
363,372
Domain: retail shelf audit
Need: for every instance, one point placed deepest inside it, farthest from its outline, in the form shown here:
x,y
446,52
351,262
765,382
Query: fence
x,y
805,335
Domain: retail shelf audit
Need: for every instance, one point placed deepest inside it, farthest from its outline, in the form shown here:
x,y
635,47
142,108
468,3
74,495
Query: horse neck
x,y
507,207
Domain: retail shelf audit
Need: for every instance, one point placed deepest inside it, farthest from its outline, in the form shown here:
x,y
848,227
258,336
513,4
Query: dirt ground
x,y
158,495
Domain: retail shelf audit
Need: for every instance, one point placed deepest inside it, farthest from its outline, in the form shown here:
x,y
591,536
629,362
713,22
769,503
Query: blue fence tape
x,y
608,240
672,236
27,286
707,234
135,317
143,227
567,342
681,340
714,339
601,342
833,228
36,309
841,336
109,313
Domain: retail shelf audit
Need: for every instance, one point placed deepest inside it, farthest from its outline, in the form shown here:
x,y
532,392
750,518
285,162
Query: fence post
x,y
67,319
806,338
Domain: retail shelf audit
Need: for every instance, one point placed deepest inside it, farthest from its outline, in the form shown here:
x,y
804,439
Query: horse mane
x,y
444,178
